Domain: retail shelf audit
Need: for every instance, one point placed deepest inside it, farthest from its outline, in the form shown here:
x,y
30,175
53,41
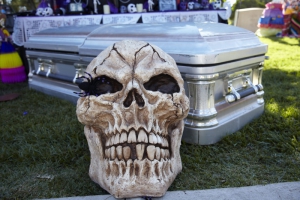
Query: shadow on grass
x,y
43,150
283,41
257,154
44,153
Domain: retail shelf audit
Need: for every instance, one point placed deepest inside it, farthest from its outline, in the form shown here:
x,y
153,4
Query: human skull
x,y
131,8
191,5
47,11
39,12
217,4
134,120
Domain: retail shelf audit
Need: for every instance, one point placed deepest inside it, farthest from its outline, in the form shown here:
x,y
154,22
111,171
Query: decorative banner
x,y
82,20
121,18
18,33
204,16
25,27
36,24
161,17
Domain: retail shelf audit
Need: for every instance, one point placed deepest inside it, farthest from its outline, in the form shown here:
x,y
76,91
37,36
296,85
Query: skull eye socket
x,y
98,86
104,85
163,83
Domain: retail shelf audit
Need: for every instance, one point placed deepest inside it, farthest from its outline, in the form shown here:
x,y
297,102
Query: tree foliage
x,y
240,4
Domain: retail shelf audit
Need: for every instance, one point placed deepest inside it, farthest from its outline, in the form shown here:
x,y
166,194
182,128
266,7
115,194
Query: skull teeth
x,y
126,152
139,152
113,152
151,152
134,169
142,137
152,138
123,138
119,151
140,148
116,139
132,137
157,153
137,145
137,137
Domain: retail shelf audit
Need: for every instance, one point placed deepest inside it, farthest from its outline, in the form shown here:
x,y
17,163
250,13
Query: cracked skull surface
x,y
132,105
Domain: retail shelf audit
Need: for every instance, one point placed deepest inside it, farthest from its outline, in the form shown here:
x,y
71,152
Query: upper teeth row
x,y
133,137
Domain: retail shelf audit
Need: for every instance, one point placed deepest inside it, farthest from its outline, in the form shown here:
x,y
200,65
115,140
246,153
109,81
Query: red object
x,y
9,97
279,26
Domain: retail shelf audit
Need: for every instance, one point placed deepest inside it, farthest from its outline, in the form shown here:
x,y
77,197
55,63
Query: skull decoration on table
x,y
190,5
39,12
47,11
132,105
44,9
217,4
131,8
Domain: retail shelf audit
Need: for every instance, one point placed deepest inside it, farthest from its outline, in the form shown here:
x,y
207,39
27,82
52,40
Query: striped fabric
x,y
11,66
295,27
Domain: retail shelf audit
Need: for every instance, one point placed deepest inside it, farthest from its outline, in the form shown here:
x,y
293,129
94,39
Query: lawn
x,y
44,153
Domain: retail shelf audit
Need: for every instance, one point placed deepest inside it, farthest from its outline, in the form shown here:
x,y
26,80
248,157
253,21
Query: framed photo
x,y
167,5
75,7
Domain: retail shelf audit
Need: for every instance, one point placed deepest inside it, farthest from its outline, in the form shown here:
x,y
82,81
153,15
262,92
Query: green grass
x,y
44,153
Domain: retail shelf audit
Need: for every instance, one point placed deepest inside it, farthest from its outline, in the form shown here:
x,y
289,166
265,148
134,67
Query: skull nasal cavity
x,y
133,95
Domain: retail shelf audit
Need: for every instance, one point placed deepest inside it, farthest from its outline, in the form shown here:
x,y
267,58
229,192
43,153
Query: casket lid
x,y
68,38
188,43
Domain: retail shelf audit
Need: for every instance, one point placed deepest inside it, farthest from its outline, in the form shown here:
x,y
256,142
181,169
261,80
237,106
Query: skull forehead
x,y
137,58
153,61
115,61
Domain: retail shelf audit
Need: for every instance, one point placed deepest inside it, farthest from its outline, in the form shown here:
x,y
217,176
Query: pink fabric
x,y
272,12
272,5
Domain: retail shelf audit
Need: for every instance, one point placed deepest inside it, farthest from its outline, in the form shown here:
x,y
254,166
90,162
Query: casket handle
x,y
236,95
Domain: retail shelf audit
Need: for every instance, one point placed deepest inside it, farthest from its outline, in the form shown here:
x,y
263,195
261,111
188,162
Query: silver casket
x,y
221,65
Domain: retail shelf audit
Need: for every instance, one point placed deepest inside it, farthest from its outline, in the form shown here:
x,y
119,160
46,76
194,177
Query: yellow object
x,y
10,60
267,32
6,33
288,11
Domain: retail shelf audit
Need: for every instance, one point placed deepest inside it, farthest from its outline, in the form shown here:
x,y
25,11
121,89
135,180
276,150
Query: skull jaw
x,y
133,178
140,187
137,186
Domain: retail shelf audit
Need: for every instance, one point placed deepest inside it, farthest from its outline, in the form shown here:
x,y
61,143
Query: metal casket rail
x,y
54,62
221,65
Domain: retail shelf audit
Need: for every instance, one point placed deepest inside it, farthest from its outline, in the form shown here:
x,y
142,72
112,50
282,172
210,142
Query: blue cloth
x,y
7,47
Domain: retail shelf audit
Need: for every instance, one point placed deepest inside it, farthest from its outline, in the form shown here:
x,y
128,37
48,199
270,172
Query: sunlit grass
x,y
44,154
272,107
284,53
